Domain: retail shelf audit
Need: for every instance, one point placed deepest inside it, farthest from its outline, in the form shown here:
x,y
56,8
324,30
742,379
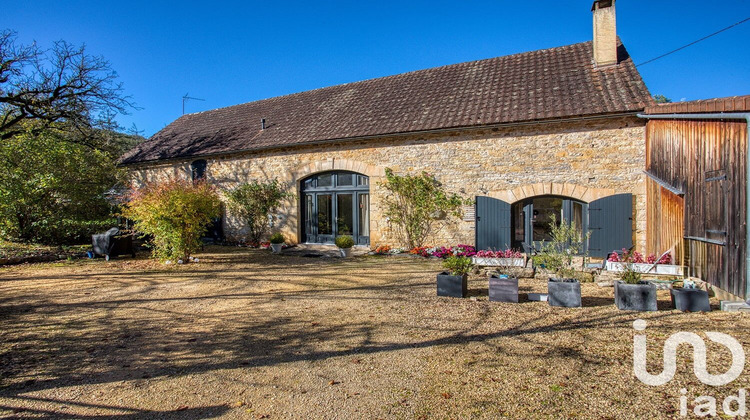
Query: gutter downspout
x,y
725,116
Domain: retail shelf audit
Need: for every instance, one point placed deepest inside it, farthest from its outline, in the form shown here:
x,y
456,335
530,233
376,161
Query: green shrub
x,y
254,202
557,255
53,191
458,266
175,214
277,238
344,241
629,275
413,203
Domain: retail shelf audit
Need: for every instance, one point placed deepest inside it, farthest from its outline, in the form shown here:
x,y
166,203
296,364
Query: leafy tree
x,y
255,202
175,214
661,99
60,86
53,190
567,242
413,203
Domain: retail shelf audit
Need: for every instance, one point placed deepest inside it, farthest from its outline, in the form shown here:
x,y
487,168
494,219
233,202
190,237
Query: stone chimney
x,y
605,33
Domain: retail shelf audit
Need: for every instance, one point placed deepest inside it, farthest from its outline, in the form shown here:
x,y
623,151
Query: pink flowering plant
x,y
460,250
508,253
637,258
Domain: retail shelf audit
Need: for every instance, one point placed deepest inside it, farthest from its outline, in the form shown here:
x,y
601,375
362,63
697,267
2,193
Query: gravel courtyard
x,y
247,334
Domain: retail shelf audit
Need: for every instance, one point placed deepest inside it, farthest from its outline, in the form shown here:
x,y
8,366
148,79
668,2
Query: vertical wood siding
x,y
665,220
706,160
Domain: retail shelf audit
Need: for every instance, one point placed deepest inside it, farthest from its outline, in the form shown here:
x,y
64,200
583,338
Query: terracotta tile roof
x,y
728,104
538,85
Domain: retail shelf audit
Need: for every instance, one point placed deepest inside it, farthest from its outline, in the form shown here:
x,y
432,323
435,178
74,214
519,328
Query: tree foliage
x,y
61,86
176,214
255,202
413,203
54,191
557,254
661,99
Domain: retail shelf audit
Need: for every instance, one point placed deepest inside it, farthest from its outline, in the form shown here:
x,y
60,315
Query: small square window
x,y
345,179
363,180
325,180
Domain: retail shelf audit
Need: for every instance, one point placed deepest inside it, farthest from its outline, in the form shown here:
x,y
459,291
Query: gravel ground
x,y
247,334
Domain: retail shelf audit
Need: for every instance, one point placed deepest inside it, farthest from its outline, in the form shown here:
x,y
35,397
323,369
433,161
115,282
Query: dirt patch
x,y
245,333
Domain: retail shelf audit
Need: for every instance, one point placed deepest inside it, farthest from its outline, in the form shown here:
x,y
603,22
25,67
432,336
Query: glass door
x,y
325,213
345,214
363,227
309,212
335,204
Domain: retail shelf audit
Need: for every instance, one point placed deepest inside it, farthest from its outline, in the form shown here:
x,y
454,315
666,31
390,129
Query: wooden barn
x,y
697,189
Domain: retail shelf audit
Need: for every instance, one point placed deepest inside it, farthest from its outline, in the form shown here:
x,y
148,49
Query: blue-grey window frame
x,y
360,238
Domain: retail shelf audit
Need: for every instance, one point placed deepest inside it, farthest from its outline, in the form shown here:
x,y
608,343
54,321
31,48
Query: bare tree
x,y
61,87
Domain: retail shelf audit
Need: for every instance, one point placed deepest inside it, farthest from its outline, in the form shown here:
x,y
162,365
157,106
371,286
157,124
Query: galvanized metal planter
x,y
665,269
564,292
691,300
503,289
276,248
453,286
499,262
635,297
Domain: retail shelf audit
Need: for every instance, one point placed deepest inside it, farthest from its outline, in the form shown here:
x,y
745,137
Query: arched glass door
x,y
335,204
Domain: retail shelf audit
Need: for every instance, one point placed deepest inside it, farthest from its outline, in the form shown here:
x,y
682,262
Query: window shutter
x,y
610,224
493,223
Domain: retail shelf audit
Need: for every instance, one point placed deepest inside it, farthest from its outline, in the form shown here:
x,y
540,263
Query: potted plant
x,y
632,293
277,242
503,286
690,298
556,256
452,282
506,258
345,244
650,264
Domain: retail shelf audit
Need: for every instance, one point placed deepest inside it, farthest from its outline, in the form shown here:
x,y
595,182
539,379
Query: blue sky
x,y
234,52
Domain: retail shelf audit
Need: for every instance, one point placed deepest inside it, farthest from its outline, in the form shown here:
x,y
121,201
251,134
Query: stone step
x,y
734,306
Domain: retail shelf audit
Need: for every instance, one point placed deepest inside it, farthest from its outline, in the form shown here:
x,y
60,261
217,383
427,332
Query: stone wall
x,y
584,160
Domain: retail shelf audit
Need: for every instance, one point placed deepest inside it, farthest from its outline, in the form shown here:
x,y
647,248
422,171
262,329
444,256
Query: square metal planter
x,y
564,292
503,289
453,286
635,297
691,300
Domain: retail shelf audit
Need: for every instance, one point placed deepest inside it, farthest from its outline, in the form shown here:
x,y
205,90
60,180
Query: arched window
x,y
198,169
334,204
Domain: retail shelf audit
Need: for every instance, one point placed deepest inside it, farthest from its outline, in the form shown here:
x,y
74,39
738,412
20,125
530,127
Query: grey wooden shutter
x,y
610,224
493,224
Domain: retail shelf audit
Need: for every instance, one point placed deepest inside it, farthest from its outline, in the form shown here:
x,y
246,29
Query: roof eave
x,y
633,113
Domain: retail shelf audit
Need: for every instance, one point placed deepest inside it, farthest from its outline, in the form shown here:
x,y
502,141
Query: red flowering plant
x,y
382,250
420,250
637,258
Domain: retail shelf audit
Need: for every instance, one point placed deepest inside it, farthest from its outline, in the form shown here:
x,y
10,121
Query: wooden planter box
x,y
503,289
664,269
499,262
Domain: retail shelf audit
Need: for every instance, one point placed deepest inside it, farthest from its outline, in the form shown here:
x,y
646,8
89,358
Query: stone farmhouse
x,y
529,135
